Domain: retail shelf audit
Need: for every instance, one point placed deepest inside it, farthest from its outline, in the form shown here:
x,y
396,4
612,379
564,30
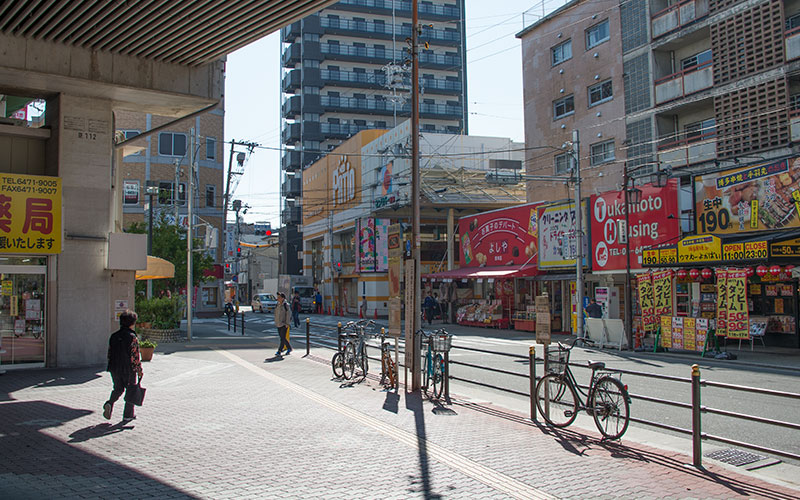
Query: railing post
x,y
339,336
229,320
234,322
308,336
242,324
447,376
532,361
697,449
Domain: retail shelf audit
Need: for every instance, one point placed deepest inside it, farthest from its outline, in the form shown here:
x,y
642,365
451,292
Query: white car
x,y
264,302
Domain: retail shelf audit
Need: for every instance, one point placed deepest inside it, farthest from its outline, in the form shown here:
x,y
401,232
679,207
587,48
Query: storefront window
x,y
22,311
210,297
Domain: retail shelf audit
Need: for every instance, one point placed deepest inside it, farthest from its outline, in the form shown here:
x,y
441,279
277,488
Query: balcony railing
x,y
346,129
429,84
388,30
683,83
405,7
688,150
384,106
425,59
792,38
677,16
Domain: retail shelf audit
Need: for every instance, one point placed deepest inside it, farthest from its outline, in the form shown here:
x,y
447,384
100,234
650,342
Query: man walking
x,y
429,305
282,322
594,310
296,309
124,364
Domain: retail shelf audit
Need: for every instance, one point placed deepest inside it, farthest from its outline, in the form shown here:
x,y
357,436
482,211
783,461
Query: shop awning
x,y
157,268
484,272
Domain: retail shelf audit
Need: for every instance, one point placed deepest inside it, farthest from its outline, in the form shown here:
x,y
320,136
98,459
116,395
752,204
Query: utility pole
x,y
628,291
151,190
189,279
578,237
227,194
415,201
175,192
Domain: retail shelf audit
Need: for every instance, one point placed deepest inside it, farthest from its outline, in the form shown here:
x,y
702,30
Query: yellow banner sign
x,y
646,301
650,257
755,250
788,248
662,293
722,301
736,294
733,251
30,214
700,249
666,332
668,256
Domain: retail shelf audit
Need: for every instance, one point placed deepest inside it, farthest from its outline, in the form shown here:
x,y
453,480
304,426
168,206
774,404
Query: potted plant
x,y
146,348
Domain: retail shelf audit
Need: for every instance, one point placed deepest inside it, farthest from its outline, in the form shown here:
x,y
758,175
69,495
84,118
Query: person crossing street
x,y
282,322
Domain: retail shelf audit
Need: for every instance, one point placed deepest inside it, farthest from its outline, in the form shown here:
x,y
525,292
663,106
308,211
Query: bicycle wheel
x,y
364,359
349,367
610,408
337,363
556,400
437,378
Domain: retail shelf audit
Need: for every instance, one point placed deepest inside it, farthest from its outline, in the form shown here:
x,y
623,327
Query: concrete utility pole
x,y
415,198
578,237
189,279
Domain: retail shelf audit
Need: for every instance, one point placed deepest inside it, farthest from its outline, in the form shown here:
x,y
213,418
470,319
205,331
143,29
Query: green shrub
x,y
163,313
148,343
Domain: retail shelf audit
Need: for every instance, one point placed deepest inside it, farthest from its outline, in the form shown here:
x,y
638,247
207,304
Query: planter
x,y
162,336
147,353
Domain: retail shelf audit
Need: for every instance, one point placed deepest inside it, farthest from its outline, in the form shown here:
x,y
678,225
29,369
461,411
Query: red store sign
x,y
649,225
503,237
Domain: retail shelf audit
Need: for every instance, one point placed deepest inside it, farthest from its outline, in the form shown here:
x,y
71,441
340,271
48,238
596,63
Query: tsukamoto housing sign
x,y
30,214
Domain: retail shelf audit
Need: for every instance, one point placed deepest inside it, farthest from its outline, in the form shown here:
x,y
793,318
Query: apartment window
x,y
333,120
310,63
311,90
599,93
597,34
563,107
166,195
561,164
171,144
694,62
360,123
211,148
380,124
129,134
562,52
311,117
311,37
793,22
794,102
602,152
701,130
429,127
211,194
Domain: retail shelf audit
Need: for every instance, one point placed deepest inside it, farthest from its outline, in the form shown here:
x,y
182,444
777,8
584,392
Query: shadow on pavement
x,y
391,402
32,462
96,431
414,403
44,378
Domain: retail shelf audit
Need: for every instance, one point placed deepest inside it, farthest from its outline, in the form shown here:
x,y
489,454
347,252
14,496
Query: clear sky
x,y
494,88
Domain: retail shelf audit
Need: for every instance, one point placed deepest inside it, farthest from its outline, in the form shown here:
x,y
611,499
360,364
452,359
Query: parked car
x,y
264,302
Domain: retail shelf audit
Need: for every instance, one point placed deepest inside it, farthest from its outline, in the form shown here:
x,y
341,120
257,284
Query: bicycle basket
x,y
441,343
557,359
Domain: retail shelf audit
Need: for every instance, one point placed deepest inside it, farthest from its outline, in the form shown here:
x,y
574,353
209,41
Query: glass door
x,y
22,315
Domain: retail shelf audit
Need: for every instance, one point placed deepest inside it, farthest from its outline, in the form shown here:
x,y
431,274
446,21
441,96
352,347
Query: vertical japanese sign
x,y
738,316
662,293
701,329
677,332
666,332
646,301
30,214
395,256
689,332
722,303
558,242
366,245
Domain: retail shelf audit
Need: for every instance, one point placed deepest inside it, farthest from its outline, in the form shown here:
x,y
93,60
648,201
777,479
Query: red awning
x,y
484,272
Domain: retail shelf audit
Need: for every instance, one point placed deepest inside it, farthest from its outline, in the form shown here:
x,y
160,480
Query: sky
x,y
494,89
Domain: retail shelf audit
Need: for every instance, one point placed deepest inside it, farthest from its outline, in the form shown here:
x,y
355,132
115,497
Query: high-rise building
x,y
347,69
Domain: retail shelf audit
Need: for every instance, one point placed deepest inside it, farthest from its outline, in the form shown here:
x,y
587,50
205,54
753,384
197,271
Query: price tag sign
x,y
733,251
755,250
668,256
650,257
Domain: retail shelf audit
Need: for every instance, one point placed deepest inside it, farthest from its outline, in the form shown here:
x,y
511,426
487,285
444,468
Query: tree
x,y
169,243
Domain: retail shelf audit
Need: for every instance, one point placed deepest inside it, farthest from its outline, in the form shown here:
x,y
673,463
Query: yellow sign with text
x,y
668,256
700,249
30,214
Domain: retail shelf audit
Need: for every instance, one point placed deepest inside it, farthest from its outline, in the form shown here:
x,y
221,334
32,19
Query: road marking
x,y
481,473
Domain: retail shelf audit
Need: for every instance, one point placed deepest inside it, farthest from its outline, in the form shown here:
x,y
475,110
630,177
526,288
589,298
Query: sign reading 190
x,y
711,220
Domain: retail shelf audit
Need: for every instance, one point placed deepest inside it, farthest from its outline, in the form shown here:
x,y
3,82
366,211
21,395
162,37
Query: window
x,y
794,102
428,127
311,37
311,117
310,63
600,93
129,134
597,34
561,164
211,148
562,52
792,22
311,90
602,152
211,194
130,192
563,107
701,130
170,144
694,62
165,194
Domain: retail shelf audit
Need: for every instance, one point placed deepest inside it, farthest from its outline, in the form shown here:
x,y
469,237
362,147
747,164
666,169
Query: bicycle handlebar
x,y
585,340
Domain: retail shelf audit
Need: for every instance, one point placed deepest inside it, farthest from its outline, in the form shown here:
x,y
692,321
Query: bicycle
x,y
337,361
434,370
355,351
388,366
606,399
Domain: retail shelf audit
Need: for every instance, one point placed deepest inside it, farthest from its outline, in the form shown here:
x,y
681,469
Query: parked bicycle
x,y
434,370
354,350
606,399
388,366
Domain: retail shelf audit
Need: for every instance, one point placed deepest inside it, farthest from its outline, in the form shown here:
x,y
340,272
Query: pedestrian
x,y
363,306
124,364
282,322
594,310
429,305
318,302
296,309
438,306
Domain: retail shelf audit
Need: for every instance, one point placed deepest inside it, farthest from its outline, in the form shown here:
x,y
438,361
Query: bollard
x,y
308,336
532,361
242,323
447,376
339,336
697,435
234,322
229,321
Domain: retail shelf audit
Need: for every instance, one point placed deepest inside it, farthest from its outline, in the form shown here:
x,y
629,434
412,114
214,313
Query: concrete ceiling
x,y
181,32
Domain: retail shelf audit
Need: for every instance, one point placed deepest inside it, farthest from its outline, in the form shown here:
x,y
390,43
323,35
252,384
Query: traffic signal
x,y
228,267
238,251
267,232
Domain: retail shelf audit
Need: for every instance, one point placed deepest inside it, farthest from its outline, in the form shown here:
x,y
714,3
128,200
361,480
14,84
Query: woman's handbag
x,y
135,394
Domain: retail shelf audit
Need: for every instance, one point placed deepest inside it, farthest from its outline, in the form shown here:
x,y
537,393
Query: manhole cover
x,y
735,457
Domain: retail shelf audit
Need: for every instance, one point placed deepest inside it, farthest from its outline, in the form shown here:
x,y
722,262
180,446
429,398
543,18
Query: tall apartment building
x,y
343,72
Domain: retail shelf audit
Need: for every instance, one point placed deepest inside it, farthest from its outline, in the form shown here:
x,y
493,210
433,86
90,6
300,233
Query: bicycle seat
x,y
596,365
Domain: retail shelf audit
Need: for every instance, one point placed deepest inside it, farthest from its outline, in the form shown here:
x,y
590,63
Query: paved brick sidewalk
x,y
231,421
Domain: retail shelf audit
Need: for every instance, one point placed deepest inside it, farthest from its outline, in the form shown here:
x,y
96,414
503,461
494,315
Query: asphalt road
x,y
517,344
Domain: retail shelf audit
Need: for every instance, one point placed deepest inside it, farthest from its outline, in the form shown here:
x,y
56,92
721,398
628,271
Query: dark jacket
x,y
123,355
296,303
594,310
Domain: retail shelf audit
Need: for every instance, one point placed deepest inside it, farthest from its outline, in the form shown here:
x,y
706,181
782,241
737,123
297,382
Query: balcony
x,y
401,7
291,107
291,161
291,133
683,83
688,151
291,32
794,124
291,55
291,81
792,38
292,187
385,31
440,86
379,106
341,130
338,52
677,16
353,79
292,214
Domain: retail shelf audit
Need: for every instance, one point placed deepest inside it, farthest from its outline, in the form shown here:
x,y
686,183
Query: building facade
x,y
345,69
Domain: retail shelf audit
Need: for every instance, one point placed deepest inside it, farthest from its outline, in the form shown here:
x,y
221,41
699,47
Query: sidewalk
x,y
226,419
